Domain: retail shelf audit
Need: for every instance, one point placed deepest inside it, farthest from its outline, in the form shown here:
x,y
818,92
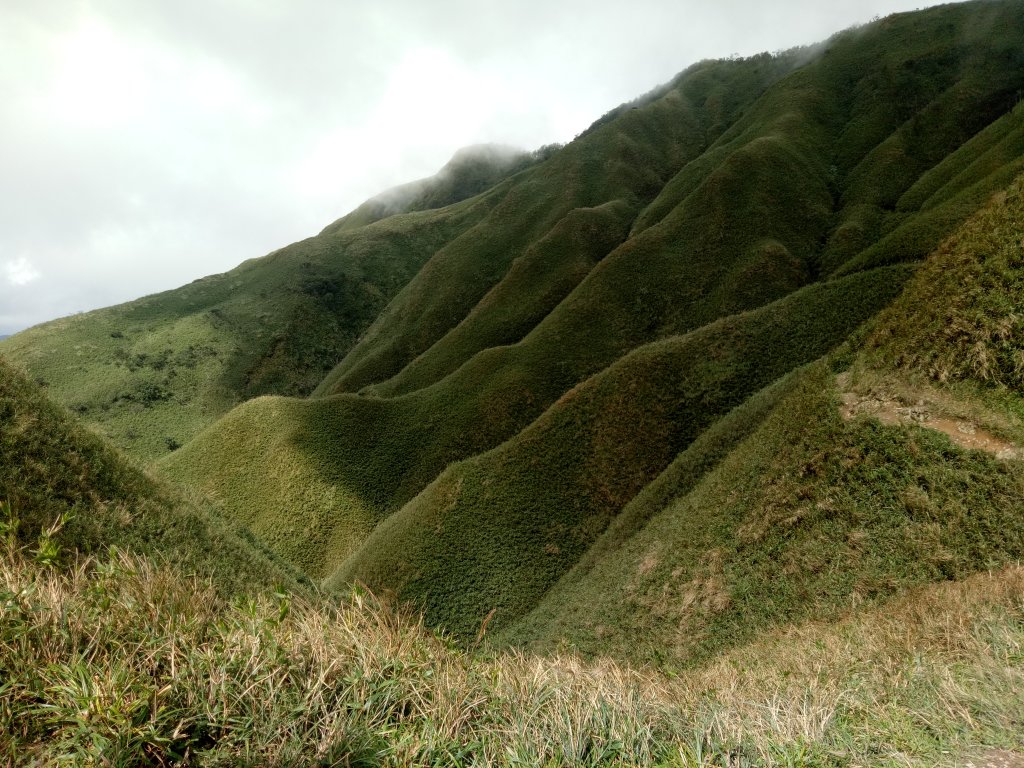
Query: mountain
x,y
697,441
471,170
153,372
597,401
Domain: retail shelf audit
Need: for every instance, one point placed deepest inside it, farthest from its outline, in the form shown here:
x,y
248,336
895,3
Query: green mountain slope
x,y
533,384
53,471
815,512
493,533
799,183
774,173
153,372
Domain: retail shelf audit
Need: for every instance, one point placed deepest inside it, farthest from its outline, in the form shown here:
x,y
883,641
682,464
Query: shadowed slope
x,y
493,533
807,518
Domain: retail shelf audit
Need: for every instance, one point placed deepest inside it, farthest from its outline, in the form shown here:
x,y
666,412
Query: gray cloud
x,y
146,143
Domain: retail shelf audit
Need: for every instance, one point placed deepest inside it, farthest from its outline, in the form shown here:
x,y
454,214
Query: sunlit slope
x,y
814,514
871,152
52,469
493,533
153,372
805,169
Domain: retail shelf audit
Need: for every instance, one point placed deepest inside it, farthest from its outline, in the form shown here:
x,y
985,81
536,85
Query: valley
x,y
700,437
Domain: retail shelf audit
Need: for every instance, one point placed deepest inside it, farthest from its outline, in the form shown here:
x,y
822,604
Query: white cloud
x,y
20,271
145,143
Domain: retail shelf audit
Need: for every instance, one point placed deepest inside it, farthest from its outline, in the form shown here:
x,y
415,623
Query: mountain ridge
x,y
696,441
526,364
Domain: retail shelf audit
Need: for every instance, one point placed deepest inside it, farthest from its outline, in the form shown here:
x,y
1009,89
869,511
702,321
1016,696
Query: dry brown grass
x,y
941,667
116,662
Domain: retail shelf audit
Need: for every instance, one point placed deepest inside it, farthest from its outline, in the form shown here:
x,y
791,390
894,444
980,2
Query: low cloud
x,y
20,272
145,144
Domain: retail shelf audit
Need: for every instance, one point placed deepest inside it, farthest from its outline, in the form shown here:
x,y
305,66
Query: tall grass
x,y
117,661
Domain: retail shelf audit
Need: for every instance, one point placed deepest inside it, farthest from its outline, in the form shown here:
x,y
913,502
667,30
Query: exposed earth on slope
x,y
996,758
895,410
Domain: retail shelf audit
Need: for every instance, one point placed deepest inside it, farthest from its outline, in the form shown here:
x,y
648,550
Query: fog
x,y
146,143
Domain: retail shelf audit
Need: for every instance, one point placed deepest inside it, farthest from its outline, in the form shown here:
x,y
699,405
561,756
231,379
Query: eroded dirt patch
x,y
891,410
996,758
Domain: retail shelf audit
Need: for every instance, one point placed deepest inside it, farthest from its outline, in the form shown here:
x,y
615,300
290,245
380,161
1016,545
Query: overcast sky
x,y
145,143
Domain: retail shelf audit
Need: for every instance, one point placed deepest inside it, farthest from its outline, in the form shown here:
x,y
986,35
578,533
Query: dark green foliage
x,y
458,305
809,517
494,533
775,170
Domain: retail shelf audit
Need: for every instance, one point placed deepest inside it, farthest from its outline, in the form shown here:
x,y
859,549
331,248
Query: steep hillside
x,y
533,391
153,372
828,505
622,298
869,153
493,533
55,476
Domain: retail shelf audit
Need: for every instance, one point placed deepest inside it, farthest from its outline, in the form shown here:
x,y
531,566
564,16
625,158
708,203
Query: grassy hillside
x,y
747,198
538,389
127,659
493,533
814,514
122,663
64,488
729,388
153,372
819,164
313,477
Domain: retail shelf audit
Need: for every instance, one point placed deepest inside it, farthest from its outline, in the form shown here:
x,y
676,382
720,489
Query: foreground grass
x,y
122,662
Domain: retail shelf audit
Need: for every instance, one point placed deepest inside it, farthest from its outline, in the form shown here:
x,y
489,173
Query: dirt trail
x,y
996,758
890,410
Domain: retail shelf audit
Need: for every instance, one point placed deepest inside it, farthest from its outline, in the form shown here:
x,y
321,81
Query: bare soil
x,y
995,758
923,413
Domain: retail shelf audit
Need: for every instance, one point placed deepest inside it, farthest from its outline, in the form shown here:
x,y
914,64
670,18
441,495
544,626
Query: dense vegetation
x,y
63,487
592,402
117,662
693,565
528,400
